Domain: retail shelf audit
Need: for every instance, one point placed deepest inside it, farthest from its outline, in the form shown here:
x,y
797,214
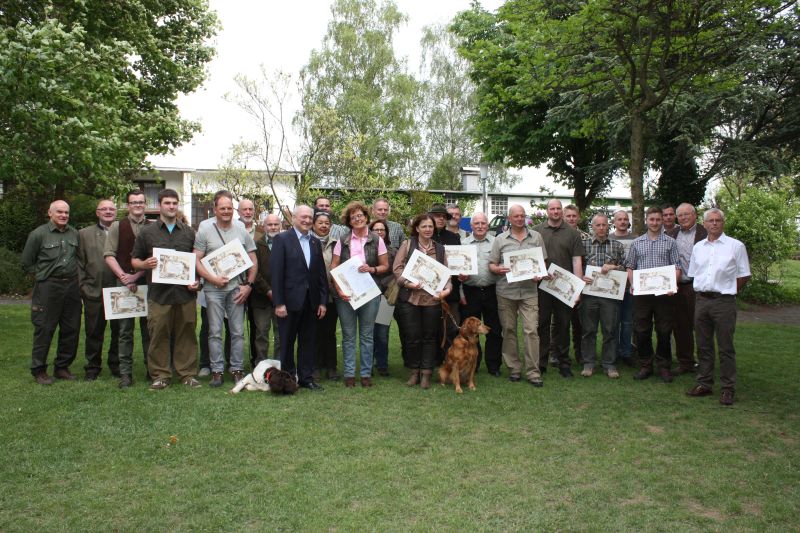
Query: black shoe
x,y
536,382
513,379
565,372
643,374
495,373
114,371
125,381
91,375
312,386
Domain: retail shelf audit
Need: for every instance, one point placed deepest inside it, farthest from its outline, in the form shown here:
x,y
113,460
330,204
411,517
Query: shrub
x,y
17,219
12,278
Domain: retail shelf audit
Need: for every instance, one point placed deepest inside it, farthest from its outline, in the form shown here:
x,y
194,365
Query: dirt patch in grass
x,y
656,430
788,315
752,508
707,512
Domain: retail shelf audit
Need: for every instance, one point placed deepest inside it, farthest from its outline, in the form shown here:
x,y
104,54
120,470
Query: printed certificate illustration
x,y
358,286
119,302
524,264
610,285
563,284
228,261
655,281
174,268
462,259
421,268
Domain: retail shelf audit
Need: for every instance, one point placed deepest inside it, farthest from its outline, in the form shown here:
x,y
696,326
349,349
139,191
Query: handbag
x,y
392,291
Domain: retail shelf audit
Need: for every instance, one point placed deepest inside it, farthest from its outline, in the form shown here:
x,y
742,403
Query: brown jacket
x,y
263,282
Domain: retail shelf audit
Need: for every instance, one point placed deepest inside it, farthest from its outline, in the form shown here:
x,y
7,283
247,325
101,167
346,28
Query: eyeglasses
x,y
357,216
137,203
106,208
379,230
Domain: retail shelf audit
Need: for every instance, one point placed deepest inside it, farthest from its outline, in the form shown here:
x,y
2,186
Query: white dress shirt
x,y
716,265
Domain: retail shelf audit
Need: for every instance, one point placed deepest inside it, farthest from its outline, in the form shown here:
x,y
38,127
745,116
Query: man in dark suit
x,y
299,293
686,233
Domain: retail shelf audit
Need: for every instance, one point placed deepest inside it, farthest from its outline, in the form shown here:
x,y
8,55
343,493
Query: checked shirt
x,y
647,253
601,253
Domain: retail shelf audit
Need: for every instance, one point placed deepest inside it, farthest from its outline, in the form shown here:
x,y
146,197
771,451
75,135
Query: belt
x,y
478,287
712,295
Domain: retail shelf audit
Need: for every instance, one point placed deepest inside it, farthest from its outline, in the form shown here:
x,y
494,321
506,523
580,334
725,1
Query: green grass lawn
x,y
577,455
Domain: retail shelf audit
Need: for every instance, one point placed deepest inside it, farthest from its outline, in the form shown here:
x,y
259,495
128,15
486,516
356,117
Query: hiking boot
x,y
643,374
349,382
413,378
238,376
43,379
125,381
216,379
64,373
366,382
726,398
698,390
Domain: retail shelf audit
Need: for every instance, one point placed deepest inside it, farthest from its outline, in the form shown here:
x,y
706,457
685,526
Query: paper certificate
x,y
421,268
655,281
610,285
119,302
524,264
385,312
563,284
462,259
228,261
174,268
358,286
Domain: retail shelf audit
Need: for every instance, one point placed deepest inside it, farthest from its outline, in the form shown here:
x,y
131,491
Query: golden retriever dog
x,y
459,365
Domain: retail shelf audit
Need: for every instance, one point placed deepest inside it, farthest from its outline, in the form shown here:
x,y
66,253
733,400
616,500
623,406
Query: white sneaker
x,y
587,372
204,372
612,373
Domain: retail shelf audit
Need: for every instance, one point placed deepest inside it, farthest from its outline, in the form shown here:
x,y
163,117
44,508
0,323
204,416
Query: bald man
x,y
51,255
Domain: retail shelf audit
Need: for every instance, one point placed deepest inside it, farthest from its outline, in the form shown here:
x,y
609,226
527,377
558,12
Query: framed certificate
x,y
421,268
228,261
462,259
174,268
119,302
358,286
524,264
610,285
563,284
655,281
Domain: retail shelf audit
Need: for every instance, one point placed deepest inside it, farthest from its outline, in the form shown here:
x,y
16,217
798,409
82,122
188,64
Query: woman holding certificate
x,y
369,252
326,329
418,311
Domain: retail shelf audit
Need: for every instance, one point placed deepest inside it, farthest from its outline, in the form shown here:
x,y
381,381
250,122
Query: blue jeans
x,y
218,305
624,345
365,316
381,339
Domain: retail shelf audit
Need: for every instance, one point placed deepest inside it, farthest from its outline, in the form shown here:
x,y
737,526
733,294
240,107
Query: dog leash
x,y
445,314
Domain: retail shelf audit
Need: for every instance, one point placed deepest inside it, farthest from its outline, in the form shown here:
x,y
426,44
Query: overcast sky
x,y
280,35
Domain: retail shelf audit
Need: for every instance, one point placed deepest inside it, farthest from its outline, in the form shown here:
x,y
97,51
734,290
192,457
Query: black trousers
x,y
649,310
94,327
326,357
300,326
561,313
55,304
482,303
419,328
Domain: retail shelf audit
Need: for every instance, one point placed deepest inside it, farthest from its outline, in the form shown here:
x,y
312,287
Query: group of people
x,y
288,293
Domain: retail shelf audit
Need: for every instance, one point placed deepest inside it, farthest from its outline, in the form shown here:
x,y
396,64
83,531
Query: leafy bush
x,y
765,222
17,219
12,278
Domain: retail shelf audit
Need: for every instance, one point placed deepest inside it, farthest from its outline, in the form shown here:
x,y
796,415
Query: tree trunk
x,y
636,171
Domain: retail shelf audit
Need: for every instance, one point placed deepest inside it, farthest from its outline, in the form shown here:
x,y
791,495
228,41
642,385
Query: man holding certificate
x,y
607,255
225,295
652,250
172,308
518,297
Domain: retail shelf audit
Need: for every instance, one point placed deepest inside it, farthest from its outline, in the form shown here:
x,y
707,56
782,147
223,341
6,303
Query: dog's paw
x,y
472,386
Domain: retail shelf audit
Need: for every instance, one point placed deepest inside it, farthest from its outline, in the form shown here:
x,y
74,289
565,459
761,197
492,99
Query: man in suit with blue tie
x,y
299,293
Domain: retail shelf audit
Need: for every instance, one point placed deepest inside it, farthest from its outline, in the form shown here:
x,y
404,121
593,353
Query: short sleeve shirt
x,y
563,242
518,290
208,240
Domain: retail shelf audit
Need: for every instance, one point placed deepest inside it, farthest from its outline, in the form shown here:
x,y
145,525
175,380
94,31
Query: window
x,y
499,205
151,191
450,199
202,208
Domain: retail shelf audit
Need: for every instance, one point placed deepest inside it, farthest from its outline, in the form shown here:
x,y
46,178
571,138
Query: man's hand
x,y
218,281
150,263
281,312
194,287
243,294
132,287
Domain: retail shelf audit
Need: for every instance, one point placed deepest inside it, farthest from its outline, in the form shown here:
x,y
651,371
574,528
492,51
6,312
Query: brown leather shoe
x,y
726,398
682,370
238,376
366,382
63,373
666,375
413,379
643,374
697,391
425,382
349,382
43,379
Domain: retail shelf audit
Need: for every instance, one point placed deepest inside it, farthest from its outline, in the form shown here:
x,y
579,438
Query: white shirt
x,y
716,265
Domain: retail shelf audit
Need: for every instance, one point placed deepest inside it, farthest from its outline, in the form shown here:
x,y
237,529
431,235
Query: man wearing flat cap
x,y
445,237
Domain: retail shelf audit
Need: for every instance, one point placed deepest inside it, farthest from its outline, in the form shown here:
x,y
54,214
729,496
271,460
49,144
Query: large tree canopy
x,y
623,73
88,88
358,94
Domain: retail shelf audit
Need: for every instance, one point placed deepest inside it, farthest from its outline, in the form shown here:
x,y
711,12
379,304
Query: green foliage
x,y
765,222
13,280
17,218
404,205
88,88
358,101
